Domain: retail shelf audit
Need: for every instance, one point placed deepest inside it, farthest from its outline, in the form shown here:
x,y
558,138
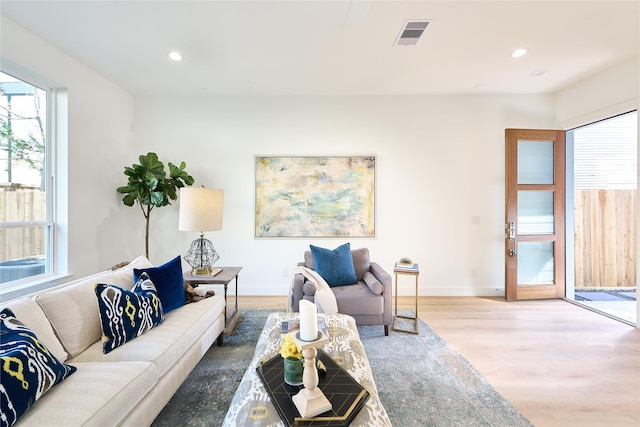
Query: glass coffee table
x,y
252,406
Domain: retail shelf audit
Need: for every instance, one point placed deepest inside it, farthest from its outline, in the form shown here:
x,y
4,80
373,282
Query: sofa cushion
x,y
125,315
335,266
308,260
361,262
29,369
98,394
163,346
72,308
29,312
374,284
358,300
169,282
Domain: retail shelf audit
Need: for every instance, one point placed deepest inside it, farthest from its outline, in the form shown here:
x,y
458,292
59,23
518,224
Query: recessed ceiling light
x,y
175,56
518,53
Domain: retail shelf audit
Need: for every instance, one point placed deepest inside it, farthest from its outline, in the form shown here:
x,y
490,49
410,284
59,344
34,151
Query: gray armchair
x,y
368,301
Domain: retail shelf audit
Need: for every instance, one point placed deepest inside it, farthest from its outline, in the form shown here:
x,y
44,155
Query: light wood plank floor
x,y
557,363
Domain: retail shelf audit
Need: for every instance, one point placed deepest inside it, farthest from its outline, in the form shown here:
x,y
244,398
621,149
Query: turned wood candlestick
x,y
310,401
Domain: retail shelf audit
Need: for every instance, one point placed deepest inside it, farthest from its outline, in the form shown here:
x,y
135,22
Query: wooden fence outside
x,y
22,242
605,238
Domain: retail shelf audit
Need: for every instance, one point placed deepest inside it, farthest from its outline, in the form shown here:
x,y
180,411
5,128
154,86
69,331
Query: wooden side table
x,y
414,271
223,278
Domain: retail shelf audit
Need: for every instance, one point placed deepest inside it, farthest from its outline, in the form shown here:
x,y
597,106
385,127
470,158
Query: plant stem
x,y
147,216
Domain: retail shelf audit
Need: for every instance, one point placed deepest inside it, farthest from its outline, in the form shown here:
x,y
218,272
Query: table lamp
x,y
201,210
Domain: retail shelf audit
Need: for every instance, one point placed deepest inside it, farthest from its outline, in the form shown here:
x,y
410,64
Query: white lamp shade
x,y
200,209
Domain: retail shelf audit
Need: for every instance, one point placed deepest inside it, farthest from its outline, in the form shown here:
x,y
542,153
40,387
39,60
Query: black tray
x,y
347,397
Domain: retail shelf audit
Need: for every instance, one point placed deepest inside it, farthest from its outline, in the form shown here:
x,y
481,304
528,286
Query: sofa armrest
x,y
298,282
307,287
384,278
303,288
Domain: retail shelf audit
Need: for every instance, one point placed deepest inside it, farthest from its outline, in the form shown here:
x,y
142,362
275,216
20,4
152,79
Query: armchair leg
x,y
386,330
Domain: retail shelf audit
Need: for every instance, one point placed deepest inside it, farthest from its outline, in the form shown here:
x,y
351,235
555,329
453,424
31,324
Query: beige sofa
x,y
128,386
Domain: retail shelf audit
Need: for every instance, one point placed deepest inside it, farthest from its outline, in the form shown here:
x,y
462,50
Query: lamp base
x,y
201,257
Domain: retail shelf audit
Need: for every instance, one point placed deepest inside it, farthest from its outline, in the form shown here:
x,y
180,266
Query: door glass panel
x,y
535,162
535,212
535,263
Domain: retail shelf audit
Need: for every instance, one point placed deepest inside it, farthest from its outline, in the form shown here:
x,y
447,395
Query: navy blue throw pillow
x,y
335,266
169,282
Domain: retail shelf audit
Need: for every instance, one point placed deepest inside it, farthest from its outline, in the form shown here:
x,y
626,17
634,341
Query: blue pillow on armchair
x,y
169,282
335,266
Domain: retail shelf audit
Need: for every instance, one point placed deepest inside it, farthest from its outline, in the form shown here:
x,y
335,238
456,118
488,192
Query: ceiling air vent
x,y
411,32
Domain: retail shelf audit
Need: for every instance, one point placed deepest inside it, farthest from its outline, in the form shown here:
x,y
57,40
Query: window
x,y
605,154
26,195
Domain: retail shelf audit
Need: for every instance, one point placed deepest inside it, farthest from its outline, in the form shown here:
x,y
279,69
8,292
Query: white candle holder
x,y
310,401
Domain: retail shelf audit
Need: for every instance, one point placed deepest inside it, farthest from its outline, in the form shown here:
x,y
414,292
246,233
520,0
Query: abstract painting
x,y
315,196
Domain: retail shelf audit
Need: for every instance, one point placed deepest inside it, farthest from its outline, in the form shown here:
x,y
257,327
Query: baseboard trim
x,y
402,291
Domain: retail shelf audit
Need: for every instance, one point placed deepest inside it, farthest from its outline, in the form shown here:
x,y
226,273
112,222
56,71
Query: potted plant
x,y
149,186
293,361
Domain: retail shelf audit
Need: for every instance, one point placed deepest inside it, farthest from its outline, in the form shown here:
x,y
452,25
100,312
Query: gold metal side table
x,y
406,271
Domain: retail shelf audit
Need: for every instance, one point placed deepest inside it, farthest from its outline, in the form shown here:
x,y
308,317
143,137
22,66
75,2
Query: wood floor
x,y
557,363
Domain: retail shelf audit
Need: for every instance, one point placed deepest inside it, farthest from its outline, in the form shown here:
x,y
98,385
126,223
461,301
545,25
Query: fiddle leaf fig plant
x,y
149,186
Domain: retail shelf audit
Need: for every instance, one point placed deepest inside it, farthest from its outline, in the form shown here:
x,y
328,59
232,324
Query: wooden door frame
x,y
556,290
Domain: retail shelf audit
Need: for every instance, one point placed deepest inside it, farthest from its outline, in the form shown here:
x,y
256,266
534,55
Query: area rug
x,y
422,381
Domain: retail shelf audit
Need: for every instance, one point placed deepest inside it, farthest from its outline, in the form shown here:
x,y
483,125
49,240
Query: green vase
x,y
293,371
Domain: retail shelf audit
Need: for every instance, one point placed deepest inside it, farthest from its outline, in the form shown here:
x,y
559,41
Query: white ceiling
x,y
336,47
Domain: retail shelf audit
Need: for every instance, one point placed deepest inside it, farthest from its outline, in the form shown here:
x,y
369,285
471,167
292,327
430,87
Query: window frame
x,y
53,102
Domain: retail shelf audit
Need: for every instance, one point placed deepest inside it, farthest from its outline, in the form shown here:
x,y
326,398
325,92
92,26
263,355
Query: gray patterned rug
x,y
421,380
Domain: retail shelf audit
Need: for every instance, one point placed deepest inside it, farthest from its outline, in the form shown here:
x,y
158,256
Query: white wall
x,y
440,166
440,163
99,139
612,91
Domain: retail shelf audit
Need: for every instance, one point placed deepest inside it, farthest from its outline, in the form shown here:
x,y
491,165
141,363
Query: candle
x,y
308,321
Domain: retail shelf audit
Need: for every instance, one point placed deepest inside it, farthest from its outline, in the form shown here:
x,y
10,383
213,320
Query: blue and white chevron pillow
x,y
125,315
28,368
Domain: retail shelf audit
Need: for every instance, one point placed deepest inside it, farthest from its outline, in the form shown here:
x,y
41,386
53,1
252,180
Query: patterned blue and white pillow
x,y
125,315
28,368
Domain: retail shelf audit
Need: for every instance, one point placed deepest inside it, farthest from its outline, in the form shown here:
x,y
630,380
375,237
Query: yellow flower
x,y
289,348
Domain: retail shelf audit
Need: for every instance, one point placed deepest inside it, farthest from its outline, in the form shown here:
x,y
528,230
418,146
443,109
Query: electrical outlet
x,y
285,271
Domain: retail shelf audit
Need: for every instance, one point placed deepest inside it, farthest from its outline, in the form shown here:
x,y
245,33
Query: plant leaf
x,y
129,199
157,198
